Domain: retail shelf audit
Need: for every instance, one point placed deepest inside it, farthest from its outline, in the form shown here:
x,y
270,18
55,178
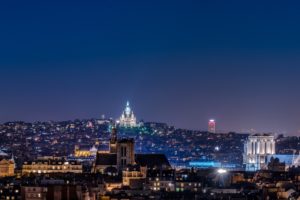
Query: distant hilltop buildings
x,y
127,118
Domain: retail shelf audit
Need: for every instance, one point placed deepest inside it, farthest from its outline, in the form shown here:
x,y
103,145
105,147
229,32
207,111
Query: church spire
x,y
114,135
113,140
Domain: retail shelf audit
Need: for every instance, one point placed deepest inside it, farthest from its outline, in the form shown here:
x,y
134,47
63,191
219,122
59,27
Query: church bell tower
x,y
113,140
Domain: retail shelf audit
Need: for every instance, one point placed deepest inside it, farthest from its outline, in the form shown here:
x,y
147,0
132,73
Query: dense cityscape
x,y
149,100
49,160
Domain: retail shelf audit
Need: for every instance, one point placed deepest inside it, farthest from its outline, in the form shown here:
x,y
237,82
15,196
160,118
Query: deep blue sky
x,y
180,62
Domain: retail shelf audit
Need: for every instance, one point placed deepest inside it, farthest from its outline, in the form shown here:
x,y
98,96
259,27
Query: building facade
x,y
128,118
7,167
51,165
57,192
125,153
85,152
121,154
257,148
134,176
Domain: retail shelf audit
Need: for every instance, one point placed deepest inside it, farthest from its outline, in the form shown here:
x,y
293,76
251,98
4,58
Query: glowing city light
x,y
222,171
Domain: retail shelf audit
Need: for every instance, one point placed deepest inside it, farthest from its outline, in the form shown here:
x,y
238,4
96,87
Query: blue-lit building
x,y
210,164
288,159
205,164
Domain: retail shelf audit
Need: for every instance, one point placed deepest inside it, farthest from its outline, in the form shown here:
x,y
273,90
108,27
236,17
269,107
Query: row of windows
x,y
163,175
8,198
178,184
177,189
123,152
48,166
51,168
182,189
123,162
39,195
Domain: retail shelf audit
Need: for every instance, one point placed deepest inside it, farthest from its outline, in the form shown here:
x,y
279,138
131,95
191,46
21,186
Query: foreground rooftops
x,y
152,160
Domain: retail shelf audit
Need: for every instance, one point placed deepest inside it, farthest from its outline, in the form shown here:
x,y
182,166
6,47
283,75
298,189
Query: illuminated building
x,y
161,180
34,193
51,165
212,126
127,118
134,176
11,192
121,154
134,167
7,167
204,164
187,180
85,152
257,148
290,160
109,186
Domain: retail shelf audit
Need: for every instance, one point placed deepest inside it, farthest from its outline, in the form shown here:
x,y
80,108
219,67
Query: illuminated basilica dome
x,y
128,119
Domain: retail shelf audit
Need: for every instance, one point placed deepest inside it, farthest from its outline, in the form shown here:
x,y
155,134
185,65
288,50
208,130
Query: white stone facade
x,y
127,118
256,150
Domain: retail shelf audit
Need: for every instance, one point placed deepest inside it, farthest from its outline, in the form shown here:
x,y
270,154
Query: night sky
x,y
180,62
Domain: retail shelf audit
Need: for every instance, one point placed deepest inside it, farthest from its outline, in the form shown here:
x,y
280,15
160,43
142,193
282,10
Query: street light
x,y
222,171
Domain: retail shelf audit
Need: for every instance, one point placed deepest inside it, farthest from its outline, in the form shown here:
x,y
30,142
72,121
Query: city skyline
x,y
139,100
211,123
177,63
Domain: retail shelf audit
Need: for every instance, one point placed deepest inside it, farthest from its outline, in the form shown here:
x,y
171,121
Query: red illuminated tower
x,y
212,126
